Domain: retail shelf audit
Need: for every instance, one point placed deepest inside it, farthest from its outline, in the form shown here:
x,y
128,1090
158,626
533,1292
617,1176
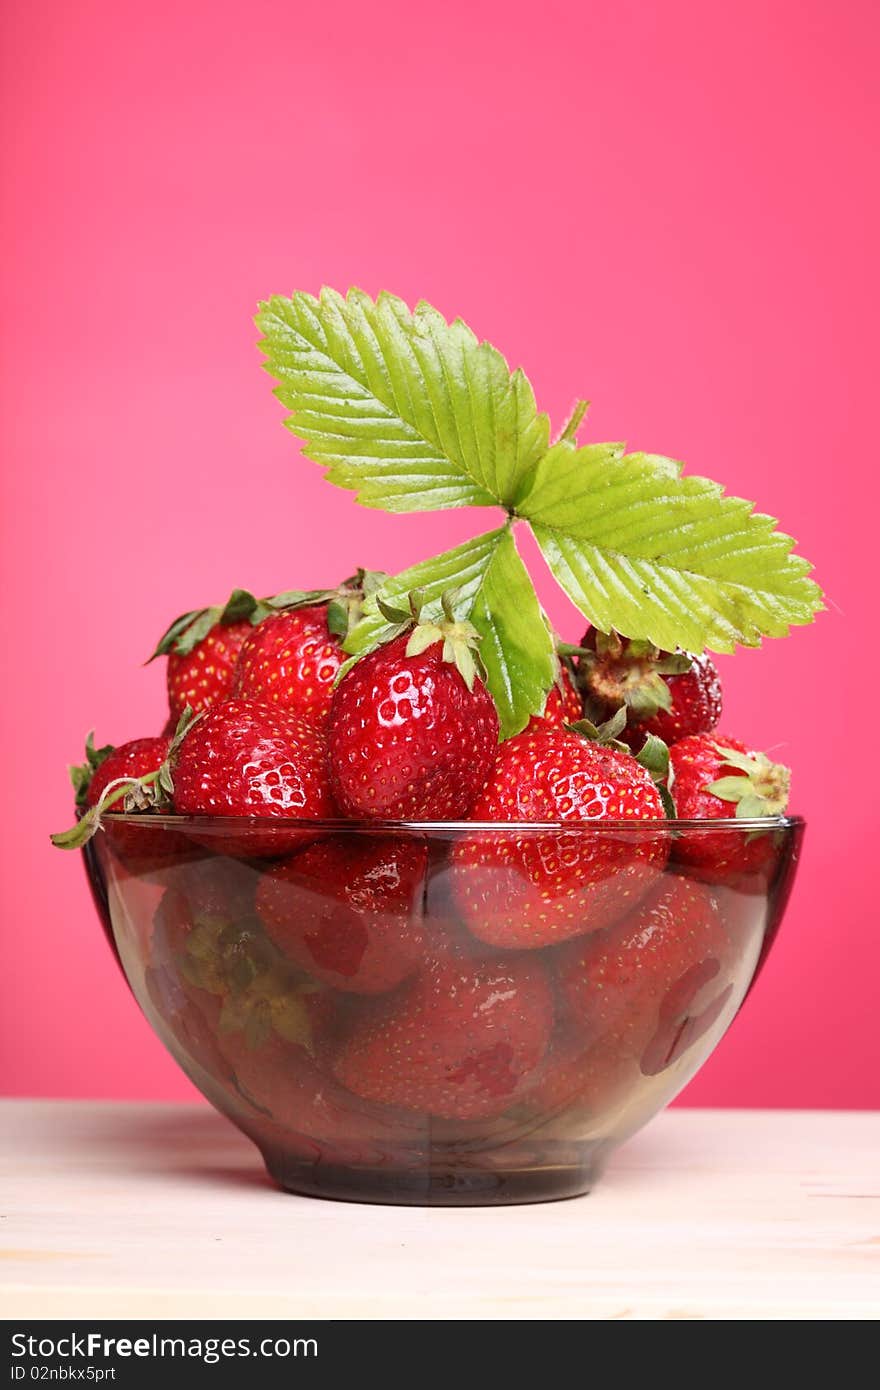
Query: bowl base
x,y
437,1185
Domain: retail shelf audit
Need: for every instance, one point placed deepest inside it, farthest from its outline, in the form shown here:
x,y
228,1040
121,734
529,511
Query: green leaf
x,y
409,411
493,591
517,649
653,555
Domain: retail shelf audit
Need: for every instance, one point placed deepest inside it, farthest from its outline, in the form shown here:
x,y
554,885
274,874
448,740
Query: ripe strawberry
x,y
245,759
204,646
202,675
462,1040
575,1075
646,982
413,730
135,759
291,660
193,1025
670,694
538,887
349,910
563,704
134,766
717,778
295,1105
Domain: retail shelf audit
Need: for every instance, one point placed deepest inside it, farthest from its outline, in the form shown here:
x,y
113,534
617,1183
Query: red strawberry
x,y
717,778
193,1025
535,888
563,704
203,675
284,666
462,1040
296,1105
670,694
349,910
140,850
291,660
245,759
413,731
138,758
646,982
582,1077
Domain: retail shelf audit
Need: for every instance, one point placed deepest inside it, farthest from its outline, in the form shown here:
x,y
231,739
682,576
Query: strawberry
x,y
647,981
286,667
461,1040
563,704
579,1076
717,778
203,675
131,760
535,888
413,730
110,779
193,1025
670,694
246,759
295,1105
291,660
349,910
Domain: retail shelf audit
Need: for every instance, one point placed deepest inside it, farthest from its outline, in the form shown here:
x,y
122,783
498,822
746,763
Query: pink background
x,y
665,206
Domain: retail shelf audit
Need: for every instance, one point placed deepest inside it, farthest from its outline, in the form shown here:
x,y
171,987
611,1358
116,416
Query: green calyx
x,y
81,774
344,608
151,792
631,673
261,994
762,790
460,638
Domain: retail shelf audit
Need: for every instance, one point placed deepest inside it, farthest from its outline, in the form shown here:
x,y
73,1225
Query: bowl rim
x,y
339,825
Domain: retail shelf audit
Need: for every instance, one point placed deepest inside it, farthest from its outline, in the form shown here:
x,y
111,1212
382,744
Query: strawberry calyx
x,y
260,994
344,607
81,774
761,791
653,755
631,673
150,792
459,637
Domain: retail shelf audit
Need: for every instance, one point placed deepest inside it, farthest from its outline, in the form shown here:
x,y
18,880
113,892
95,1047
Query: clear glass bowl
x,y
444,1014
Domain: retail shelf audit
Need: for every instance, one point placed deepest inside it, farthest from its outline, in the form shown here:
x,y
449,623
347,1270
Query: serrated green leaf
x,y
409,411
487,584
517,646
658,557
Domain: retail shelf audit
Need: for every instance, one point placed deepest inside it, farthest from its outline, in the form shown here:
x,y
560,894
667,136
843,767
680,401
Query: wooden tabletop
x,y
164,1211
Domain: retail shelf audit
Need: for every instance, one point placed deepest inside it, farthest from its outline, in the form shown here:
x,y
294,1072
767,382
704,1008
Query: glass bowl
x,y
440,1014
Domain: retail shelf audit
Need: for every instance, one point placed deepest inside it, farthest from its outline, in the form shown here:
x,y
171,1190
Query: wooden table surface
x,y
164,1211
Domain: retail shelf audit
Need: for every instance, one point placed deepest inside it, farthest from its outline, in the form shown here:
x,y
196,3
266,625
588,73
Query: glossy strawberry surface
x,y
290,660
535,889
408,740
462,1040
203,676
245,759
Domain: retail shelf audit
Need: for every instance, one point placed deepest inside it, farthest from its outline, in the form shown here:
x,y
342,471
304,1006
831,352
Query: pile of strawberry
x,y
454,1012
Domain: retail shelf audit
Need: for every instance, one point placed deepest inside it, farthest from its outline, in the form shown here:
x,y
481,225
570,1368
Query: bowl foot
x,y
436,1184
